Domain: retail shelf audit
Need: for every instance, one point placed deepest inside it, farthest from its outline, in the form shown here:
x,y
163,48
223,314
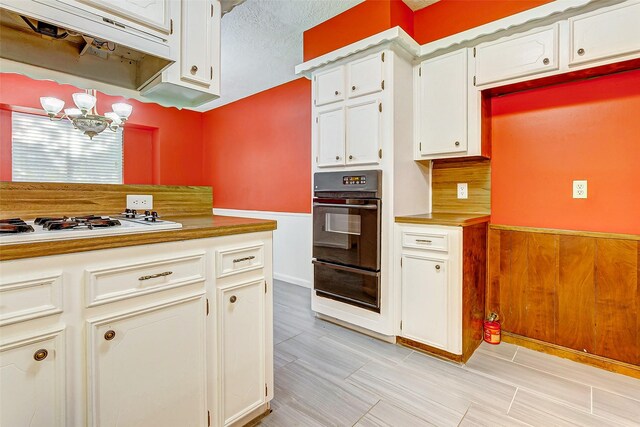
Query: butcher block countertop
x,y
445,218
193,227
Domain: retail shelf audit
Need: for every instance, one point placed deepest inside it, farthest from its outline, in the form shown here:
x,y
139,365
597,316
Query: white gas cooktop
x,y
127,226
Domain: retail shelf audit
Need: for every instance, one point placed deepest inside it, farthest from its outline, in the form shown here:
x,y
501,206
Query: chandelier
x,y
85,117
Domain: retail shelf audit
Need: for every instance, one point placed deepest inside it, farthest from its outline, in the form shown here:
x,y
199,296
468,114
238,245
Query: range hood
x,y
39,42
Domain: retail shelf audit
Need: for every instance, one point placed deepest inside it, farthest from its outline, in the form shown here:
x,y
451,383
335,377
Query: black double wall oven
x,y
346,237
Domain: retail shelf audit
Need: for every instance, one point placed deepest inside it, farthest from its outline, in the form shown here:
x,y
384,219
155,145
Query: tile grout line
x,y
514,355
512,400
591,400
465,414
365,414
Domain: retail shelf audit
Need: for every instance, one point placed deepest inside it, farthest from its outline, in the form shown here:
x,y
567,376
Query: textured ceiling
x,y
262,43
418,4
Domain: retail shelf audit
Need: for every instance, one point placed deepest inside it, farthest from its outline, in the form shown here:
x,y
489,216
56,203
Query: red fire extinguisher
x,y
492,329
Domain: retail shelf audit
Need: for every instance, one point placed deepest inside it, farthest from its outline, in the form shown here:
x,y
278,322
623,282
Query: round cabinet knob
x,y
438,267
457,143
337,93
581,51
109,335
350,157
353,88
545,61
233,299
194,69
40,355
337,157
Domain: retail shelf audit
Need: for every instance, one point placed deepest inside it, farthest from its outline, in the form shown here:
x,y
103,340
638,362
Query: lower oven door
x,y
347,232
346,284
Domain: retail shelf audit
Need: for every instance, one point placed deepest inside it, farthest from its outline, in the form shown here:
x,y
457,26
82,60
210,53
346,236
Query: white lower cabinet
x,y
147,366
241,313
424,279
148,335
431,285
32,381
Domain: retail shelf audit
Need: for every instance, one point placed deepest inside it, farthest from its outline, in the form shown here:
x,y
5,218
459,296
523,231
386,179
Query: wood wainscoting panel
x,y
29,200
542,268
616,307
580,292
474,276
445,176
576,288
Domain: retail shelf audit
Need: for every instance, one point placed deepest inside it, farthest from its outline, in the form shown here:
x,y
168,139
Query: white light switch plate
x,y
580,189
139,202
463,190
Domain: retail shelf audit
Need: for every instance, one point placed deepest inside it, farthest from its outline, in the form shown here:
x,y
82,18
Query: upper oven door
x,y
347,232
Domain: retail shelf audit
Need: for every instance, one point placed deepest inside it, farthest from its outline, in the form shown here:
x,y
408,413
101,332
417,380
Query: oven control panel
x,y
354,180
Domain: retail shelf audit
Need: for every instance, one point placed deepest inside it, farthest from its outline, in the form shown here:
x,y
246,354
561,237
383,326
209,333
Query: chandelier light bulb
x,y
122,110
84,101
51,105
72,112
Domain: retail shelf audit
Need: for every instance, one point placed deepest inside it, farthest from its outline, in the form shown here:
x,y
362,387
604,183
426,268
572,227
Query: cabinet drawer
x,y
430,241
605,33
104,285
30,299
329,86
238,260
365,76
518,56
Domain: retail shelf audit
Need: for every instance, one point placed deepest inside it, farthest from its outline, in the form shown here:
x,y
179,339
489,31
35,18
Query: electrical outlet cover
x,y
139,202
580,189
463,190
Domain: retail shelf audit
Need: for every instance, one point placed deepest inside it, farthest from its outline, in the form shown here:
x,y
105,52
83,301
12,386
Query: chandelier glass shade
x,y
84,116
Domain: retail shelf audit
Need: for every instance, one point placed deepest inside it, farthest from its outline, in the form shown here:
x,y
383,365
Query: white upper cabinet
x,y
606,33
329,86
330,137
196,40
442,112
363,132
365,75
156,353
150,13
517,56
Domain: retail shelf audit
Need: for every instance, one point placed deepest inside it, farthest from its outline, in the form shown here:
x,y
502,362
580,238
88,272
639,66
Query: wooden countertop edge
x,y
597,234
431,221
31,250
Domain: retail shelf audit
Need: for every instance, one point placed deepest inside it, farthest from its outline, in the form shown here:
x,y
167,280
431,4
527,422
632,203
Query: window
x,y
54,151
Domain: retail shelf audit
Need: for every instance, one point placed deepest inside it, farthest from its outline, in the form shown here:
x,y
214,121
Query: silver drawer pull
x,y
153,276
428,242
247,258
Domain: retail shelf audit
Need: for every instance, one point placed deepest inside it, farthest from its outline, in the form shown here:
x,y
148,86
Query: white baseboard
x,y
291,243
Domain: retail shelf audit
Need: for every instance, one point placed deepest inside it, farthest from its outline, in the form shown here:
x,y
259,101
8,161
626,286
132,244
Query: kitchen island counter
x,y
193,227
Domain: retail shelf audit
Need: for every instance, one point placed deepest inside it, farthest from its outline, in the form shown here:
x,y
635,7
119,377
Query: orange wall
x,y
176,134
543,139
449,17
258,150
361,21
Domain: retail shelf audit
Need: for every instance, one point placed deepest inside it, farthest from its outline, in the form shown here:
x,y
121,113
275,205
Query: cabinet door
x,y
147,367
329,86
241,321
365,76
424,300
330,137
363,132
443,104
196,42
150,13
517,56
32,381
605,33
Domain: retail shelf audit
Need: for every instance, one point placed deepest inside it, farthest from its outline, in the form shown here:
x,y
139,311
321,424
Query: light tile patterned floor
x,y
327,375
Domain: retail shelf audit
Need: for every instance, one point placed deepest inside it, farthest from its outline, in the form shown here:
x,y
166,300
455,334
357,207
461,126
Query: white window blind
x,y
54,151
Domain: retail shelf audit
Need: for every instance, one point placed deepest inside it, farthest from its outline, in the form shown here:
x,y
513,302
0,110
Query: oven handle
x,y
338,205
347,269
